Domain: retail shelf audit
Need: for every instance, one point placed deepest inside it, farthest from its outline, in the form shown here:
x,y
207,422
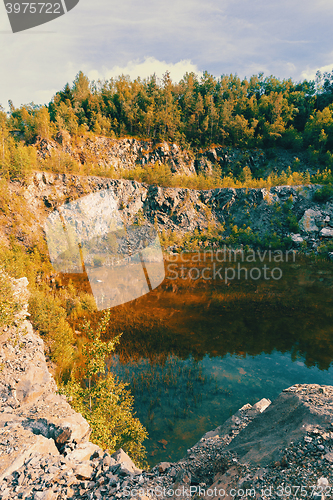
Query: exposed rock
x,y
296,238
326,232
269,213
84,451
287,419
84,471
24,444
309,219
163,466
120,153
127,465
33,418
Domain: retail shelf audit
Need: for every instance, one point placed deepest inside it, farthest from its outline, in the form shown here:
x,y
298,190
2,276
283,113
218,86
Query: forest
x,y
196,112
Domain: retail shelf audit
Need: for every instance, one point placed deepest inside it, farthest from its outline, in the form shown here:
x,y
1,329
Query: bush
x,y
103,401
324,194
49,318
9,305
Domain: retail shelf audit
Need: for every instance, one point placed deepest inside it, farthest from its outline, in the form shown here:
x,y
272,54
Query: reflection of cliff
x,y
198,318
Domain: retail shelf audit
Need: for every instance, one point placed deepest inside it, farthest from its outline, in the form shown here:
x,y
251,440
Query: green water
x,y
194,351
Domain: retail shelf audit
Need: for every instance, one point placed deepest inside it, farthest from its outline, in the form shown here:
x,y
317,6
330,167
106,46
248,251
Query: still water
x,y
196,350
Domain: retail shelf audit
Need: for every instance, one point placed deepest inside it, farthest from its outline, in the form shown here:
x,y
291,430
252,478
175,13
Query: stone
x,y
296,238
326,232
128,465
260,406
28,444
45,495
308,221
83,451
181,486
163,466
283,421
329,457
322,482
84,471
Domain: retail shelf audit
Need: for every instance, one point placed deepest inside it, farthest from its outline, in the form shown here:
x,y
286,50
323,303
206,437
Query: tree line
x,y
196,111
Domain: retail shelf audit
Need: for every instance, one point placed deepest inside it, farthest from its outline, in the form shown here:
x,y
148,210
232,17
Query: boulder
x,y
128,465
288,418
326,232
296,238
308,222
26,445
84,471
83,451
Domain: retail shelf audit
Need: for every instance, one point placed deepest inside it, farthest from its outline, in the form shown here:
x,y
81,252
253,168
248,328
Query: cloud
x,y
310,74
104,38
146,68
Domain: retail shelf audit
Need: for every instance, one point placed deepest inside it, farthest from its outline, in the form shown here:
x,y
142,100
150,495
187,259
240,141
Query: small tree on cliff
x,y
104,401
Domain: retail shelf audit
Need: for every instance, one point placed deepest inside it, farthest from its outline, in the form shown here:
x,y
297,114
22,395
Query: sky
x,y
107,38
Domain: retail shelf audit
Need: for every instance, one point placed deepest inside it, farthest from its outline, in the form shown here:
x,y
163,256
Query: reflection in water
x,y
194,351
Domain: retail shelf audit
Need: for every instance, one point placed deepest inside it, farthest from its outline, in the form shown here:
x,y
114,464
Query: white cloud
x,y
310,74
146,68
106,38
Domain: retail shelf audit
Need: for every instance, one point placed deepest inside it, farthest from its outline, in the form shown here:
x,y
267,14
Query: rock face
x,y
128,153
294,412
253,216
286,211
122,154
33,418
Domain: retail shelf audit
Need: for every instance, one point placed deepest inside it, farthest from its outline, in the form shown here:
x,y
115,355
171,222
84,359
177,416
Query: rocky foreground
x,y
282,449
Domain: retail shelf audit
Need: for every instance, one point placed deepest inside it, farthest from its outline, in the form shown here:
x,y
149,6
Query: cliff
x,y
282,214
128,153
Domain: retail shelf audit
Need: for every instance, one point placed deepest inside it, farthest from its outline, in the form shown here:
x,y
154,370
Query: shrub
x,y
9,305
49,318
105,402
324,194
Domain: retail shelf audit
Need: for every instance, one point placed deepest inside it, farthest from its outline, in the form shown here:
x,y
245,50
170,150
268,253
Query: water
x,y
194,351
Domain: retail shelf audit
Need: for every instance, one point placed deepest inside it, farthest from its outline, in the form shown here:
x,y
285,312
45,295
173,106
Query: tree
x,y
319,129
104,401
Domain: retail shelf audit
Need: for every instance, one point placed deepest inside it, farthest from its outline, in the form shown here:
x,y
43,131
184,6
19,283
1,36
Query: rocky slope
x,y
128,153
45,453
250,215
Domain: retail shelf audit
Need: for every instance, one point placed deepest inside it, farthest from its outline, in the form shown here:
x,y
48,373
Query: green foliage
x,y
318,130
50,319
324,248
104,401
196,111
242,236
323,177
324,194
9,305
292,223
